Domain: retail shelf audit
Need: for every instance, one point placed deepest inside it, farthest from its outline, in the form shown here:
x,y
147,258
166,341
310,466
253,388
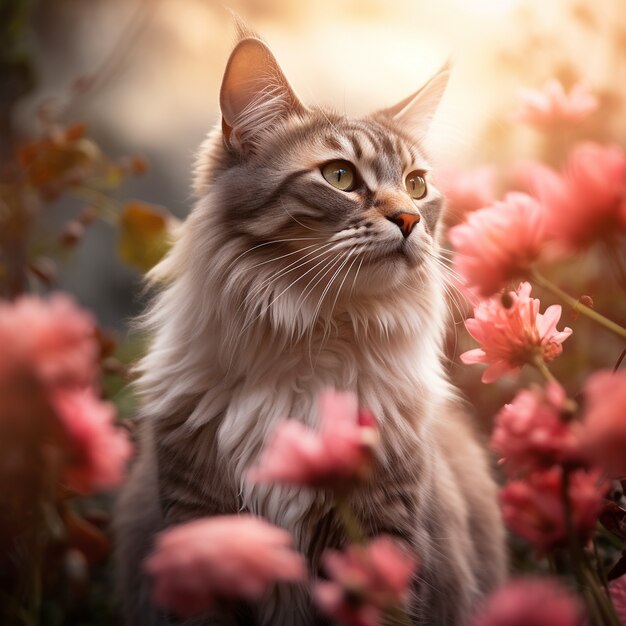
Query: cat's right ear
x,y
255,94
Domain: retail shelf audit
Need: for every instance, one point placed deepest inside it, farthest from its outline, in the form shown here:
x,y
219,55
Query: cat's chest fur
x,y
396,374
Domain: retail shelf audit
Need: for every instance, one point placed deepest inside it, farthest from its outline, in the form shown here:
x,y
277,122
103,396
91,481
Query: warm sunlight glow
x,y
488,7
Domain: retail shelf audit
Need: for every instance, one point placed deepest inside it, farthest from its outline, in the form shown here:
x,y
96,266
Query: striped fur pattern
x,y
278,286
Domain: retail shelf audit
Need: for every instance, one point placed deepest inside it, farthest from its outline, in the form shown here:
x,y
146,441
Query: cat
x,y
311,260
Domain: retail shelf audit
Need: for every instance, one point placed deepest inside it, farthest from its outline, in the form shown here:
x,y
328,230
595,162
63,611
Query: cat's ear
x,y
416,112
255,94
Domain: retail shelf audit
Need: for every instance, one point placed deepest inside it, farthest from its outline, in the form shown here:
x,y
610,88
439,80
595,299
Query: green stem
x,y
108,209
599,604
540,364
602,599
620,331
599,568
397,617
574,548
350,521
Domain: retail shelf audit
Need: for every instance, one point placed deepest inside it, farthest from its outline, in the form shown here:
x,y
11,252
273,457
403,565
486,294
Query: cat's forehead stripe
x,y
377,152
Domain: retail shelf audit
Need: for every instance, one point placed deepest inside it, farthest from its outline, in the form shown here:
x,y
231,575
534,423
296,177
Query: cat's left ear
x,y
415,113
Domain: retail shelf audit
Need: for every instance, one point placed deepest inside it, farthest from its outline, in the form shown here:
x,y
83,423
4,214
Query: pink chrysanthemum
x,y
53,338
531,602
604,421
49,363
534,509
513,336
196,565
466,190
552,106
97,450
587,201
339,454
499,243
364,582
531,433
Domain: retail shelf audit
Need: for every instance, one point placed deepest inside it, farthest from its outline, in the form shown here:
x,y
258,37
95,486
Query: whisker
x,y
283,256
321,300
269,243
294,265
267,308
332,308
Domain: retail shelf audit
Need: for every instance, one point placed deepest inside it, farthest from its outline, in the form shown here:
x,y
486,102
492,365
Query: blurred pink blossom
x,y
552,106
604,421
617,590
533,507
588,200
531,432
466,190
96,449
197,564
531,602
365,581
341,452
54,338
511,336
499,243
49,363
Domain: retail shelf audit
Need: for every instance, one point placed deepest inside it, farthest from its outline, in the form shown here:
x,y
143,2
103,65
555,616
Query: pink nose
x,y
406,222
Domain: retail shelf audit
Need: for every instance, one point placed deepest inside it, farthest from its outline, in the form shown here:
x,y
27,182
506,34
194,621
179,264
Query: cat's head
x,y
308,204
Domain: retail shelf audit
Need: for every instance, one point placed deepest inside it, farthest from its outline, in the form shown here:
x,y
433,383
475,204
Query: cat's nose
x,y
405,221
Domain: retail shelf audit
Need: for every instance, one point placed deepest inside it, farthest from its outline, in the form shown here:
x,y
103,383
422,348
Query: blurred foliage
x,y
59,168
17,69
145,233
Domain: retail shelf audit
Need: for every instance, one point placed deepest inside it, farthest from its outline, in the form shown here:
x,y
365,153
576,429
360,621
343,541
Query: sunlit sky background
x,y
161,96
355,55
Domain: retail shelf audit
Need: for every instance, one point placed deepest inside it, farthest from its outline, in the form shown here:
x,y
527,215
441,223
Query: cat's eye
x,y
340,174
416,185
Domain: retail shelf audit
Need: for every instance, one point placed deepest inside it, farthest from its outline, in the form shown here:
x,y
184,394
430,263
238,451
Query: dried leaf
x,y
144,234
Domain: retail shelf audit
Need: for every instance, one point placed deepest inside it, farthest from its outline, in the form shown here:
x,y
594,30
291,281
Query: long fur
x,y
269,297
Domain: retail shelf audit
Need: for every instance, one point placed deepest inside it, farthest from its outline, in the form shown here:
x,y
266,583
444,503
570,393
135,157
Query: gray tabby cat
x,y
311,260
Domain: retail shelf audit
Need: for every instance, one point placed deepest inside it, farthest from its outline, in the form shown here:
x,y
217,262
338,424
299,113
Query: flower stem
x,y
600,608
620,331
540,364
350,522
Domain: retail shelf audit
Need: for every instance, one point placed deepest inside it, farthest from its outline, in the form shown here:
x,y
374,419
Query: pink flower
x,y
96,449
196,565
515,335
499,243
587,201
466,191
531,602
365,581
617,591
604,421
533,507
52,337
531,432
552,105
341,452
49,361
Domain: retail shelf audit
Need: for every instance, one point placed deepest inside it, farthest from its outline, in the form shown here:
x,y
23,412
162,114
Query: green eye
x,y
416,185
340,174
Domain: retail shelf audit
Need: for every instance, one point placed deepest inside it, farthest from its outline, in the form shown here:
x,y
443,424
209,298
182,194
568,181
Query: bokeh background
x,y
144,76
158,64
